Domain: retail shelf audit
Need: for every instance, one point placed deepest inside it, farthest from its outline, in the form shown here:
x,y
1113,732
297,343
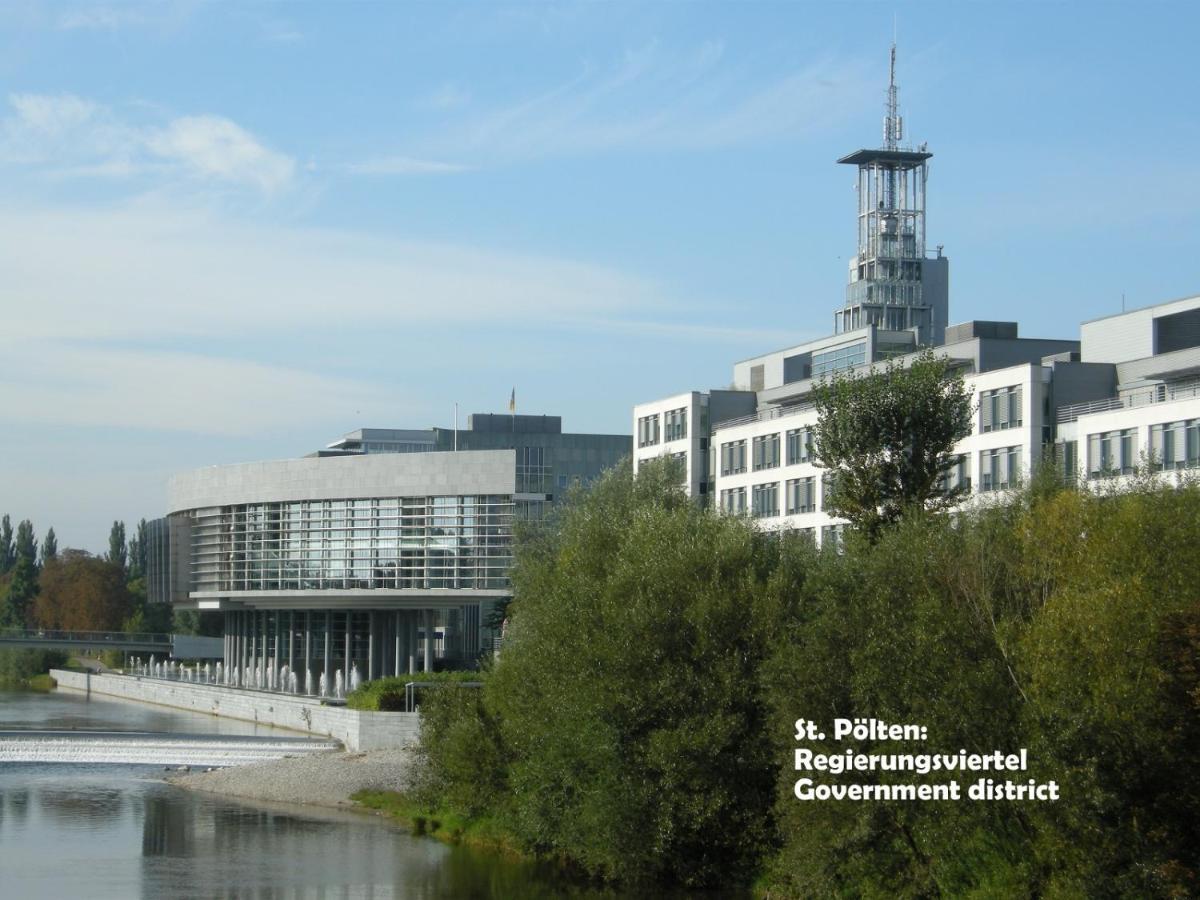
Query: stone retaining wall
x,y
356,729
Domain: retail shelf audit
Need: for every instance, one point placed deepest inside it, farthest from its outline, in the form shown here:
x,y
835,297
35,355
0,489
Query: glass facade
x,y
845,357
398,543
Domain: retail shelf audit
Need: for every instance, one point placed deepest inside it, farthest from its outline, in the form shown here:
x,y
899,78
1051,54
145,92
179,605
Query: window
x,y
680,460
1000,409
799,446
801,496
833,537
826,489
845,357
675,426
766,452
1112,453
999,469
648,430
958,475
1175,445
733,500
733,457
757,377
766,500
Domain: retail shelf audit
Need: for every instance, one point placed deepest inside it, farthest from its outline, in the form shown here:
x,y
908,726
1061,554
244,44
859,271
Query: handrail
x,y
765,415
1159,394
51,634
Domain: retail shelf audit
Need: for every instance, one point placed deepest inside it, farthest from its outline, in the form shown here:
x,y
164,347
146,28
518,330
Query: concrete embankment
x,y
356,729
152,748
326,779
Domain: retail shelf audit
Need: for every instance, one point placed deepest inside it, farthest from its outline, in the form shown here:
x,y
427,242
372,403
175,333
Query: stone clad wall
x,y
356,729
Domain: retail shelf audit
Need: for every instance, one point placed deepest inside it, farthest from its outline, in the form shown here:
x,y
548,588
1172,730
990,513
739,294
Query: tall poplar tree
x,y
49,547
118,553
7,558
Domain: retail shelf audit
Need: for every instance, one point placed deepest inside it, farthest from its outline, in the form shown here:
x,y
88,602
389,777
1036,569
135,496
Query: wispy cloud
x,y
149,293
653,98
101,17
403,165
69,136
445,96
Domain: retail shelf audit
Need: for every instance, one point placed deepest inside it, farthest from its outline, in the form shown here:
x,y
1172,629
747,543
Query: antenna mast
x,y
893,125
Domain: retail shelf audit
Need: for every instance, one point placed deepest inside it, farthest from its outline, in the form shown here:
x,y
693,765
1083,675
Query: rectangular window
x,y
999,469
799,446
833,537
766,451
766,500
958,475
675,425
680,460
733,500
733,457
648,430
1000,409
1175,445
1112,453
801,496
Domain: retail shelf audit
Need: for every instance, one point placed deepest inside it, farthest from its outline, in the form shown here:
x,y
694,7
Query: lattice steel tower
x,y
892,285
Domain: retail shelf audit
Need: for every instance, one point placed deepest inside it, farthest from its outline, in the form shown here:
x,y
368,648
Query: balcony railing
x,y
765,415
1161,393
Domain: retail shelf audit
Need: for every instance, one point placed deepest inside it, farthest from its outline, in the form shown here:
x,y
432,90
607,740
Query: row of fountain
x,y
269,678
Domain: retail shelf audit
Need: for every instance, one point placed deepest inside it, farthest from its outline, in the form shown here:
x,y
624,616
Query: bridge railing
x,y
83,637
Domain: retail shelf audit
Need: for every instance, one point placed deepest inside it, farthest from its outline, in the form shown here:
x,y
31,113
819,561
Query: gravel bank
x,y
323,779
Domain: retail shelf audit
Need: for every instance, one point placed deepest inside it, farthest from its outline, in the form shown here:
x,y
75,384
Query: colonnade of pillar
x,y
259,644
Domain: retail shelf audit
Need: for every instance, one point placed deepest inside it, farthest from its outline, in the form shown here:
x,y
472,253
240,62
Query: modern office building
x,y
377,559
1127,390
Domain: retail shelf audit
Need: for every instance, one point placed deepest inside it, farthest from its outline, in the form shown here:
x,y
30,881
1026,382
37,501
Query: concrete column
x,y
396,621
370,645
428,640
410,631
291,644
307,644
346,655
277,658
328,648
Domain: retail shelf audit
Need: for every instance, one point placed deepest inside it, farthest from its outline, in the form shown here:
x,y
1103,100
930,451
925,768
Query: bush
x,y
18,666
388,694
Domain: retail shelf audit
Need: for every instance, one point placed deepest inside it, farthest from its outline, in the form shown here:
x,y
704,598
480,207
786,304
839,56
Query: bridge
x,y
178,646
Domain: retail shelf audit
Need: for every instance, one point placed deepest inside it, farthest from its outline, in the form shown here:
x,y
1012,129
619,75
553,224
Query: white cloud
x,y
653,98
403,165
211,146
102,18
68,136
446,96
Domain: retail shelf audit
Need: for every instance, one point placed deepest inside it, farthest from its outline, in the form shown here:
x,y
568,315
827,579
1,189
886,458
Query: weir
x,y
151,748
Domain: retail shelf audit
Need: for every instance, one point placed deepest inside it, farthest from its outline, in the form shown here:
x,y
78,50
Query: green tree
x,y
137,552
117,551
626,701
7,556
887,437
49,546
22,581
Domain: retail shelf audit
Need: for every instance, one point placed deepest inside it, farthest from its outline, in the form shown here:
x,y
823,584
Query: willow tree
x,y
888,438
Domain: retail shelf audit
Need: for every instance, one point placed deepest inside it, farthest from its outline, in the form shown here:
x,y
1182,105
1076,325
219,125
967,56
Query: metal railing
x,y
50,635
1159,394
765,415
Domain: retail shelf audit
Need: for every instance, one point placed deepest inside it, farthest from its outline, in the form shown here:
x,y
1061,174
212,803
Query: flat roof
x,y
912,157
1138,309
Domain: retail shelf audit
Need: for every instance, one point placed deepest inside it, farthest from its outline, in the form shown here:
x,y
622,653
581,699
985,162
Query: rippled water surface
x,y
98,831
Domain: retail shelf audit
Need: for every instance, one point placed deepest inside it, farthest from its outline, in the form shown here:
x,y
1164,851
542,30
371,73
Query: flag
x,y
512,401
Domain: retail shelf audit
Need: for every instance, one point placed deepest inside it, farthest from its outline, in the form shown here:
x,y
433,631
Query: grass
x,y
452,828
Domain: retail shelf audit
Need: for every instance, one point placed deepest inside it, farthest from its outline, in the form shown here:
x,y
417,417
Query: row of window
x,y
765,451
800,496
999,469
675,427
1173,445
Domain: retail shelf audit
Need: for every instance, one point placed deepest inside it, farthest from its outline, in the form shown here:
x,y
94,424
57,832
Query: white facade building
x,y
1126,393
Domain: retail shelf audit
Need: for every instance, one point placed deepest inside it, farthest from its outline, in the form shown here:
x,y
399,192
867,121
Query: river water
x,y
84,831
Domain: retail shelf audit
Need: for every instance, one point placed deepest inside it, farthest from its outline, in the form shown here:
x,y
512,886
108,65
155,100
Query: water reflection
x,y
121,832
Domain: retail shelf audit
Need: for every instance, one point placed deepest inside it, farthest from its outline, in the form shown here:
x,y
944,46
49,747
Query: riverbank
x,y
325,779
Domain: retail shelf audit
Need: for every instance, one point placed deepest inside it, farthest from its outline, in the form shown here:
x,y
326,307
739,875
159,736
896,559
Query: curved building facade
x,y
364,564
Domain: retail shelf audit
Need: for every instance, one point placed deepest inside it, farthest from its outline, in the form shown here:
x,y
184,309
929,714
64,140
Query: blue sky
x,y
234,231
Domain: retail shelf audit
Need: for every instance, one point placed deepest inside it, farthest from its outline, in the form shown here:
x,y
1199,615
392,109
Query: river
x,y
85,831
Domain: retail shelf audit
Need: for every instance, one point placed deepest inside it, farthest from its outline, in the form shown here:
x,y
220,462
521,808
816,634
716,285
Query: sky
x,y
235,231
